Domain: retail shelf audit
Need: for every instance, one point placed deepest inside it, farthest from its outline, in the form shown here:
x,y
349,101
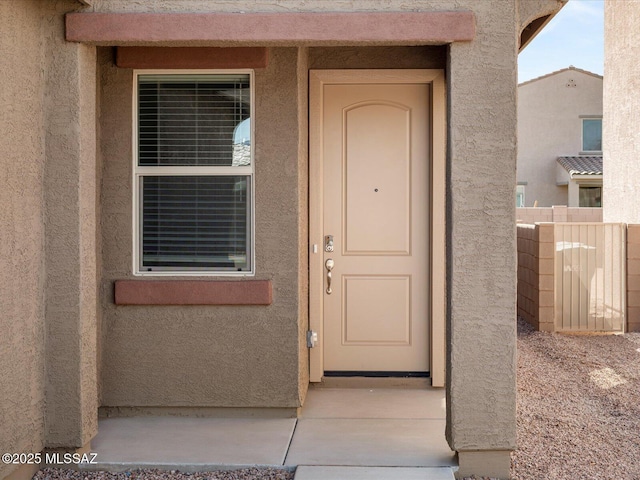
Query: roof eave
x,y
585,176
538,21
533,29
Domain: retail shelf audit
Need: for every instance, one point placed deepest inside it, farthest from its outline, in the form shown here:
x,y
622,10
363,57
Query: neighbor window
x,y
520,196
193,173
590,196
591,134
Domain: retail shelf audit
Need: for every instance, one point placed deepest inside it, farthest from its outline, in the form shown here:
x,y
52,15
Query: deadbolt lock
x,y
328,243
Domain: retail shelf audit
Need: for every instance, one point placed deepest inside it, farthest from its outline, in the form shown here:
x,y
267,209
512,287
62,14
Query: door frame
x,y
437,275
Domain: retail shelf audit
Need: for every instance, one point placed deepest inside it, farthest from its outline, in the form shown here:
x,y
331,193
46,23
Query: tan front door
x,y
375,146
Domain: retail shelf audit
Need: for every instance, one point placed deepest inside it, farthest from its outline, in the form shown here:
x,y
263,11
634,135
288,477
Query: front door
x,y
375,222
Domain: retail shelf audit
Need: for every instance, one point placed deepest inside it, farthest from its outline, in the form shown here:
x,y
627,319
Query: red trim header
x,y
191,57
265,29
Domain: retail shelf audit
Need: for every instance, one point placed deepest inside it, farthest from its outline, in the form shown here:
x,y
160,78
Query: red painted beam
x,y
191,57
193,292
216,29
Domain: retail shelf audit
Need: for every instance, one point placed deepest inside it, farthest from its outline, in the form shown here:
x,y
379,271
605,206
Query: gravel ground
x,y
244,474
578,406
578,414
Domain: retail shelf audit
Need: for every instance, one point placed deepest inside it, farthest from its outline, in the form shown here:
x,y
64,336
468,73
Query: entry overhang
x,y
271,29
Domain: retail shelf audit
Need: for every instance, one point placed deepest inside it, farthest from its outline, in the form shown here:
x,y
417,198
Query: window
x,y
590,196
520,196
193,173
591,134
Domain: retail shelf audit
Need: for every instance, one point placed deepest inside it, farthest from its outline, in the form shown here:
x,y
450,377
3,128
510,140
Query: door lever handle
x,y
329,265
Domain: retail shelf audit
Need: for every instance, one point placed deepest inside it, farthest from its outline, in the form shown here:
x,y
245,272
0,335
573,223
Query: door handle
x,y
329,265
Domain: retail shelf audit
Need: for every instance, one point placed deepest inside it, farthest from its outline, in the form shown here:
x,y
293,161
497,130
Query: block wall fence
x,y
633,278
531,215
536,275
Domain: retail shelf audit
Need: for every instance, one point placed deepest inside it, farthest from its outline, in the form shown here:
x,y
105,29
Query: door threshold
x,y
373,382
375,374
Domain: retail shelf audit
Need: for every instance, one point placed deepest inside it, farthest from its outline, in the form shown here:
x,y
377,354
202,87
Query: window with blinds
x,y
194,173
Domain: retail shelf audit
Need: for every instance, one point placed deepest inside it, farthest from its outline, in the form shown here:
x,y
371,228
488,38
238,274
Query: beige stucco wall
x,y
21,230
70,221
224,356
243,356
481,214
377,57
481,253
549,126
527,10
213,356
621,124
47,220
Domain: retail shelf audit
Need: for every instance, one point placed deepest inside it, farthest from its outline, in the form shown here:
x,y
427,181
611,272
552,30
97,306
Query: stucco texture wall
x,y
211,356
377,57
224,356
481,249
181,6
21,230
621,123
249,356
47,222
70,221
231,356
549,126
481,267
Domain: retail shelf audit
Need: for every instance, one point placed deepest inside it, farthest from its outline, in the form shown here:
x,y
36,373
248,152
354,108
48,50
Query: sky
x,y
575,36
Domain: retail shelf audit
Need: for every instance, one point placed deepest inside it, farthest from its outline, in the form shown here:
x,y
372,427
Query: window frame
x,y
582,120
139,171
520,191
589,186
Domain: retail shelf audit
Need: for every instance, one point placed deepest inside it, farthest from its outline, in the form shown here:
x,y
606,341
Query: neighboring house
x,y
560,140
583,177
160,250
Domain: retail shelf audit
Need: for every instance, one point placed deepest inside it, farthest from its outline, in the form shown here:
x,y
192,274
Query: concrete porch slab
x,y
427,403
377,473
339,427
370,442
138,442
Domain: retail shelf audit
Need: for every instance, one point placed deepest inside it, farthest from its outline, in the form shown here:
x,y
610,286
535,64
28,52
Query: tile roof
x,y
582,165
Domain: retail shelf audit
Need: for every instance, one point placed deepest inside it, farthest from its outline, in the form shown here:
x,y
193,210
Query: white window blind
x,y
194,172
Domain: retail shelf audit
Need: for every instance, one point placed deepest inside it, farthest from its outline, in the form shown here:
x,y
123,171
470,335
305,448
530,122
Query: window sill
x,y
193,292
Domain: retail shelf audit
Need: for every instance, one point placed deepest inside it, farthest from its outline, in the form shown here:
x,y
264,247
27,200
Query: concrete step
x,y
371,473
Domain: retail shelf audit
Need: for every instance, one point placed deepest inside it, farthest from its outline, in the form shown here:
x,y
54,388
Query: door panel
x,y
376,177
367,304
376,206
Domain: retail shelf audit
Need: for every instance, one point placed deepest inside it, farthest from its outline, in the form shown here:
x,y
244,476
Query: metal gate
x,y
590,277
